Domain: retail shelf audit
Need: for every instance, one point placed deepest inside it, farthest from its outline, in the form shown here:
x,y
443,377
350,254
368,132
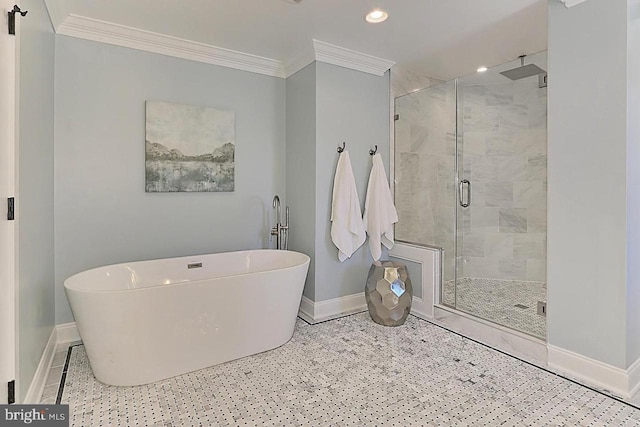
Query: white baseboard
x,y
421,309
621,382
34,392
633,372
61,336
67,333
306,309
314,312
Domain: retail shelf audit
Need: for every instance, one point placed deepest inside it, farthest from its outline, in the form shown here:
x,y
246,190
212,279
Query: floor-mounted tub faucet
x,y
281,231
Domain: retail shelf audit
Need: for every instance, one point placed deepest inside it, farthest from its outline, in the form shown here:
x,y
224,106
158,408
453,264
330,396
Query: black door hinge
x,y
12,392
11,209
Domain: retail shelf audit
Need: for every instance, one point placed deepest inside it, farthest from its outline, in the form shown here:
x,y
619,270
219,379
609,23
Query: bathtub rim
x,y
306,261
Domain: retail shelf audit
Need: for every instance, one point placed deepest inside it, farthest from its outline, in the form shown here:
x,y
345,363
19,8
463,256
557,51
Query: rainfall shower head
x,y
523,71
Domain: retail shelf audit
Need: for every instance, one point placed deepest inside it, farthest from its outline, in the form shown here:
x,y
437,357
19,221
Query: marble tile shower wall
x,y
424,169
504,131
405,81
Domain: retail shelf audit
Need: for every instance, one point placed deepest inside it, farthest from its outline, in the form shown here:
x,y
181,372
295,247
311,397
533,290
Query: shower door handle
x,y
461,198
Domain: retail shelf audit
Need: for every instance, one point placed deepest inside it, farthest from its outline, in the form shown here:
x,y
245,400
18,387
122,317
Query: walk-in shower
x,y
471,178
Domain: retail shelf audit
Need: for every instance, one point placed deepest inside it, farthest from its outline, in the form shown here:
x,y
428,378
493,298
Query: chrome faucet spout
x,y
276,206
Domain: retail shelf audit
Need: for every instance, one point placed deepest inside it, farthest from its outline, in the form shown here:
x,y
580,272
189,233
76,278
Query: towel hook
x,y
372,152
341,149
12,18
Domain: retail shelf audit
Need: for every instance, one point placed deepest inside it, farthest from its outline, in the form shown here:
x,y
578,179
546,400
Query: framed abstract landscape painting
x,y
189,148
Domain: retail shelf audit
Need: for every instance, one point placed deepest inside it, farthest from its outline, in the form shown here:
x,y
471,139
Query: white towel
x,y
379,211
347,229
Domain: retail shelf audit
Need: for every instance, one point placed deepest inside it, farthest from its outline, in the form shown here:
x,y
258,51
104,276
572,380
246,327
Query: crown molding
x,y
298,62
336,55
570,3
120,35
56,14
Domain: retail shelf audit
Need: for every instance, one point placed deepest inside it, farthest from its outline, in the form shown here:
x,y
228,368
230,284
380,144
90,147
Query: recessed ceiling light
x,y
376,16
482,69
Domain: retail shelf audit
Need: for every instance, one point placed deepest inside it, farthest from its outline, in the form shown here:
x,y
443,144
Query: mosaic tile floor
x,y
506,302
350,372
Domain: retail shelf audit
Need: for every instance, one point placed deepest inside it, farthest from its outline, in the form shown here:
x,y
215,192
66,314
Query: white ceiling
x,y
440,38
493,76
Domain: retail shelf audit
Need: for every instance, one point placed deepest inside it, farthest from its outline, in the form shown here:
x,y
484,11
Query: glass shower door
x,y
501,198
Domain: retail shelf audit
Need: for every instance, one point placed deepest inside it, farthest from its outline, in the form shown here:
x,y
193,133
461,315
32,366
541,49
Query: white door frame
x,y
8,185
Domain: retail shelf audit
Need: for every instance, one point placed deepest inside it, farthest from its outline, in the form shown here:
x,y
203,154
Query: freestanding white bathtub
x,y
145,321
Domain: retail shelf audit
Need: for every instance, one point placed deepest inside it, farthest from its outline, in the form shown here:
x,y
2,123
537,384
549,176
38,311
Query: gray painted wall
x,y
35,191
587,179
103,214
351,106
301,166
327,105
633,181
